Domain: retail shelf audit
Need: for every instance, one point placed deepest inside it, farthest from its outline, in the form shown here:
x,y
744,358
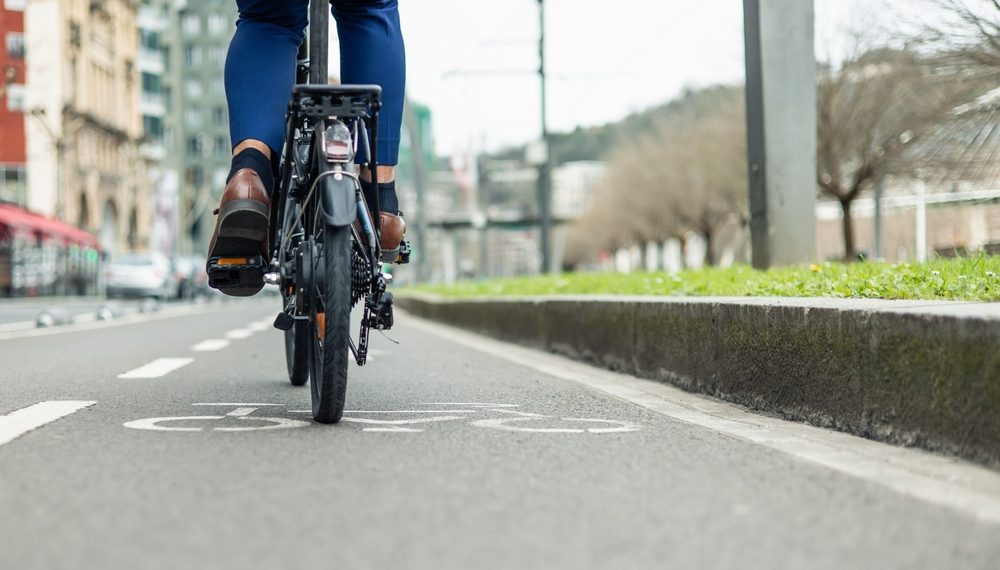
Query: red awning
x,y
20,219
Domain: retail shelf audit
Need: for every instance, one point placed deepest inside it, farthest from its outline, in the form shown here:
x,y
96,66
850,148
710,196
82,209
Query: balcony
x,y
151,61
152,104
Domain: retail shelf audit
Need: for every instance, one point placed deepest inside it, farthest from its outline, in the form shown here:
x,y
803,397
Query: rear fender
x,y
338,199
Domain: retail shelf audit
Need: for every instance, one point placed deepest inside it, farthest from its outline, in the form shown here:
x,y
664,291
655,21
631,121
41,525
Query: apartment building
x,y
13,179
84,126
196,131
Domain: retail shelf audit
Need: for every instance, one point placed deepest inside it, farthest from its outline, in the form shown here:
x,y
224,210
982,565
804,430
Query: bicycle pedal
x,y
236,272
284,321
404,253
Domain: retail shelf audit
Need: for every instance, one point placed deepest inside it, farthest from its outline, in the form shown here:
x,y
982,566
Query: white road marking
x,y
239,334
258,326
20,422
504,424
470,404
402,422
157,368
241,414
397,425
231,404
151,423
210,345
935,479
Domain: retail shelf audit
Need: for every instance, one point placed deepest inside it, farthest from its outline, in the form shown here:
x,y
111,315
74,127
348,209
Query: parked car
x,y
191,275
145,274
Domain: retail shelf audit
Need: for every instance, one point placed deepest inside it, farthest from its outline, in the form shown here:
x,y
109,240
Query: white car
x,y
146,274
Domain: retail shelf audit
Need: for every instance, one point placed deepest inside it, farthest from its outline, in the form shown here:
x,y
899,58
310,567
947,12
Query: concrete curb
x,y
914,373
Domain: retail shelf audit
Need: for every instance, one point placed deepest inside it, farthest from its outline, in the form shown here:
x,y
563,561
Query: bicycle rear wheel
x,y
297,338
330,318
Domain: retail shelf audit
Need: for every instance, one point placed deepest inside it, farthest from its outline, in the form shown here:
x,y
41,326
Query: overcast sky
x,y
472,60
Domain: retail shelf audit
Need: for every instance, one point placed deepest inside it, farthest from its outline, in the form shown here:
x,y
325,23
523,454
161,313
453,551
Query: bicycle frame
x,y
318,190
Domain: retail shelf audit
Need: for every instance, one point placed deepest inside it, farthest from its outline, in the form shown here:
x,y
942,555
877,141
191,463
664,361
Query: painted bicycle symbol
x,y
504,417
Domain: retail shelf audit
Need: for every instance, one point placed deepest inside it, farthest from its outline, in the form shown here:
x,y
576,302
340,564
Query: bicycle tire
x,y
297,338
297,354
330,350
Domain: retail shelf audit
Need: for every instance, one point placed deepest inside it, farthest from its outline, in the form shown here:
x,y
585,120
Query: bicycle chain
x,y
360,277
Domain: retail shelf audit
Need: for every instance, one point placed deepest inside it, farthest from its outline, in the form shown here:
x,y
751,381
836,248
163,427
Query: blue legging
x,y
260,66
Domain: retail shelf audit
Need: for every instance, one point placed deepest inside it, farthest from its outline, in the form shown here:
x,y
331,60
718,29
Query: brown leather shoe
x,y
392,232
242,224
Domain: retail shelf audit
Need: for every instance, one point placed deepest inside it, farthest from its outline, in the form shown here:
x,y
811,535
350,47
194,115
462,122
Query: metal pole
x,y
545,170
781,129
879,187
921,222
420,183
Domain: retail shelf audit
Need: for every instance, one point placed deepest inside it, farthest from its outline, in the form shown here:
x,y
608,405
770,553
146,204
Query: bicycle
x,y
323,241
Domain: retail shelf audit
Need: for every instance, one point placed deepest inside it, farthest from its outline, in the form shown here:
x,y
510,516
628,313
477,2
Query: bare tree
x,y
689,175
873,113
965,32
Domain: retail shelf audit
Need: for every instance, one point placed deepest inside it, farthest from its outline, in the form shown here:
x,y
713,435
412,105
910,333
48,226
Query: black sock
x,y
255,160
387,199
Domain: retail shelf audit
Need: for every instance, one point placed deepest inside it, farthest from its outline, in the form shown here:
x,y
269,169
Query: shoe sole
x,y
243,227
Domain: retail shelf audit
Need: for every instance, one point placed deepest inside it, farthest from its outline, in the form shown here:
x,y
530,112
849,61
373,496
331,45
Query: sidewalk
x,y
920,373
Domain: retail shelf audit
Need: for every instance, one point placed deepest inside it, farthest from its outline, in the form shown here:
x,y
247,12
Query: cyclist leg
x,y
372,52
260,72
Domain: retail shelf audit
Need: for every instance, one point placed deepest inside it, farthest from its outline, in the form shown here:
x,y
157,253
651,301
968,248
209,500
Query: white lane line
x,y
258,326
239,334
20,422
157,368
940,480
210,345
236,404
241,412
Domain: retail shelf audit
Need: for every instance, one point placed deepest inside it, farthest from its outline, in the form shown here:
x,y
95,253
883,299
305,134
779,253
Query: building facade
x,y
196,132
13,177
84,126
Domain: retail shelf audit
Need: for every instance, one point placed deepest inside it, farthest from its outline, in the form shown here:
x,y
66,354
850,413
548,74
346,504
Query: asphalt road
x,y
457,452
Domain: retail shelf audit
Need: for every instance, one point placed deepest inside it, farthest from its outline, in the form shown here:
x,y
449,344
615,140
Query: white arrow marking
x,y
157,368
20,422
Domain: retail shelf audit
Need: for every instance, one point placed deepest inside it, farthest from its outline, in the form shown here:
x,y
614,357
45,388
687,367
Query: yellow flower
x,y
815,268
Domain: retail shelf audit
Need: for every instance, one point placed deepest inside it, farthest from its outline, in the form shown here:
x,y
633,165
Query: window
x,y
192,118
15,5
217,56
15,97
191,25
218,117
217,24
150,83
13,183
194,176
220,148
192,55
149,39
153,127
194,146
192,88
15,45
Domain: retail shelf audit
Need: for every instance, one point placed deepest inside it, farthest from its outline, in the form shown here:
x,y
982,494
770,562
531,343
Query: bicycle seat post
x,y
319,34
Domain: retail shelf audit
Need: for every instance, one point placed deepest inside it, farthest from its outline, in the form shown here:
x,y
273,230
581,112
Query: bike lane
x,y
448,457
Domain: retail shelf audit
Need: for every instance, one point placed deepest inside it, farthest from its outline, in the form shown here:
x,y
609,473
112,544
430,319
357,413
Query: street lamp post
x,y
545,168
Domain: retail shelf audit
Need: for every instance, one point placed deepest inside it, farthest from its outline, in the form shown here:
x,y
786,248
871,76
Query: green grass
x,y
970,279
